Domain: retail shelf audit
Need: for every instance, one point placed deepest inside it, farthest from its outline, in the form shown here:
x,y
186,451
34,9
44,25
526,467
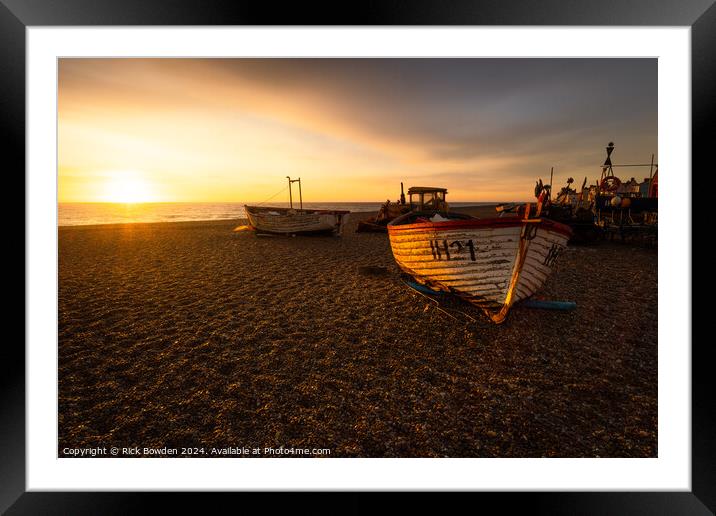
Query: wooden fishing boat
x,y
289,221
388,211
492,263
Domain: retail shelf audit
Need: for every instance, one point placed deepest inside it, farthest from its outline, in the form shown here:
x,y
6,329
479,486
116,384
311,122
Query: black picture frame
x,y
16,15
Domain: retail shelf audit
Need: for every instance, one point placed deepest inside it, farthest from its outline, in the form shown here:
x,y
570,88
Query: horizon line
x,y
252,202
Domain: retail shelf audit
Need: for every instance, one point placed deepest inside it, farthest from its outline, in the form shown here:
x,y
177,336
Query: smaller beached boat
x,y
492,263
289,221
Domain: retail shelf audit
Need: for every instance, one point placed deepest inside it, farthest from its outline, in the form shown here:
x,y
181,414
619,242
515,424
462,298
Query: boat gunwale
x,y
480,224
306,211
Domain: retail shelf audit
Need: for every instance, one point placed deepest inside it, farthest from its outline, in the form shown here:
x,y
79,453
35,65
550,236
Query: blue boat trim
x,y
527,303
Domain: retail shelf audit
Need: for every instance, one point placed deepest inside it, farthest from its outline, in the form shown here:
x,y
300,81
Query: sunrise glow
x,y
126,187
231,130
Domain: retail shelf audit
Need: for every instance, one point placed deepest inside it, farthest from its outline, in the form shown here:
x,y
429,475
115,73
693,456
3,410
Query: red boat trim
x,y
500,222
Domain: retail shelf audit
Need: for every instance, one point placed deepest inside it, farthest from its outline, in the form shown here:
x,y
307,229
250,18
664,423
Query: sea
x,y
81,214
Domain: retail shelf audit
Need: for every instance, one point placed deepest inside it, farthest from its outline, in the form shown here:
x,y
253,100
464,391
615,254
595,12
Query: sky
x,y
222,130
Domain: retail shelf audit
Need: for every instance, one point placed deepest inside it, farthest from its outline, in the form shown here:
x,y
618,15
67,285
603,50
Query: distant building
x,y
644,187
629,189
649,187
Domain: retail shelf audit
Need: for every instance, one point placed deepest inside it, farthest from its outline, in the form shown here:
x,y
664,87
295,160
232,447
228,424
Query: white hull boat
x,y
492,263
289,221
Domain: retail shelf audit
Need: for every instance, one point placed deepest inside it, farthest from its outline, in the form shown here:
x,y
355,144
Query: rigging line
x,y
274,195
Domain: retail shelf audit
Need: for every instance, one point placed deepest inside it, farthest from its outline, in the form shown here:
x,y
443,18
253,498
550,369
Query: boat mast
x,y
300,195
651,174
290,191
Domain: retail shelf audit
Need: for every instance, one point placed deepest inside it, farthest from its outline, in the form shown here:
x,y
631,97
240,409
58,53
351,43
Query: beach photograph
x,y
357,257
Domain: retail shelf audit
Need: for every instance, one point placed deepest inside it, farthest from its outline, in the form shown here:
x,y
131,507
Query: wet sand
x,y
191,335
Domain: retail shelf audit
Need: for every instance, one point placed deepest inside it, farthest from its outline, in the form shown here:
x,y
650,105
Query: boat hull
x,y
289,221
493,263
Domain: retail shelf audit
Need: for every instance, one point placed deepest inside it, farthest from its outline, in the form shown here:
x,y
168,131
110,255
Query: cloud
x,y
482,121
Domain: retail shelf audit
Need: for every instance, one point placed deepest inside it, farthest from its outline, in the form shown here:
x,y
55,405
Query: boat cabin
x,y
427,198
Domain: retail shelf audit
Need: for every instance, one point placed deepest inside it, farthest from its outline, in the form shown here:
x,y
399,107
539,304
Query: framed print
x,y
220,297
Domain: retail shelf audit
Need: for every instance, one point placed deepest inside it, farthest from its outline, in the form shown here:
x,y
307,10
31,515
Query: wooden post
x,y
551,174
300,195
290,193
651,174
651,168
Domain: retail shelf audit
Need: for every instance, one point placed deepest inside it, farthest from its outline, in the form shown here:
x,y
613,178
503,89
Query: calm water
x,y
78,214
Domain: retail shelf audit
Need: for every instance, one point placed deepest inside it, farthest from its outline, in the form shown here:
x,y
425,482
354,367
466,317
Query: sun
x,y
127,188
